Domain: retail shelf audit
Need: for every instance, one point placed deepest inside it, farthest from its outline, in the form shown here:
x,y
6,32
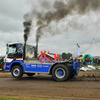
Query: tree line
x,y
65,56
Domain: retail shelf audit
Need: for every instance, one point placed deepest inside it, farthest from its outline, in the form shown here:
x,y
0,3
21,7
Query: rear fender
x,y
50,70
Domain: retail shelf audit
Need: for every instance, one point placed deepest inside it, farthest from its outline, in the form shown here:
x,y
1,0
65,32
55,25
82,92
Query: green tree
x,y
66,56
69,55
60,57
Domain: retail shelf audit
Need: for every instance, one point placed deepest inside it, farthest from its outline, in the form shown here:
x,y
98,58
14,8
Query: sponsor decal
x,y
33,66
27,66
45,66
40,66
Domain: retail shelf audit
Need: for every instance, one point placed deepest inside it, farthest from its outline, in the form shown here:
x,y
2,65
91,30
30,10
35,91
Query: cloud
x,y
11,15
9,24
14,9
68,31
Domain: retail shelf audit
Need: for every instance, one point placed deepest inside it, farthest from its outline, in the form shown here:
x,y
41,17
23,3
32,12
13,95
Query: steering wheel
x,y
19,50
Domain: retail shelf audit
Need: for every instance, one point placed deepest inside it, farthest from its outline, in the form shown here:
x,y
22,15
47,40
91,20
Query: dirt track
x,y
85,86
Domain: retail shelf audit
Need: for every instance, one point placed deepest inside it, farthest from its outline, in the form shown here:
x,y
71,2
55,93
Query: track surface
x,y
86,86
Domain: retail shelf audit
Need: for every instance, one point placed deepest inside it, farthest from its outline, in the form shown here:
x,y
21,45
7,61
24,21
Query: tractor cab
x,y
15,51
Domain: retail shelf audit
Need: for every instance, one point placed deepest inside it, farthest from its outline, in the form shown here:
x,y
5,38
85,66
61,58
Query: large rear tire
x,y
61,72
17,72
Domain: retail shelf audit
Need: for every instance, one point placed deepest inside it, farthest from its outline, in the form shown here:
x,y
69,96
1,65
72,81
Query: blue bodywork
x,y
9,65
29,67
39,68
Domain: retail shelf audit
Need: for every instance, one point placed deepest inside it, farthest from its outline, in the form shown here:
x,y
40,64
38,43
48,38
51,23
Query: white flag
x,y
78,50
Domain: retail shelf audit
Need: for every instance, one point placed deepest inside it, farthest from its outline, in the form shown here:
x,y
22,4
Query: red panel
x,y
55,57
44,54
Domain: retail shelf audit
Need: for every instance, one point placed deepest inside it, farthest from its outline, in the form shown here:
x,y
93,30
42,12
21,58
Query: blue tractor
x,y
22,59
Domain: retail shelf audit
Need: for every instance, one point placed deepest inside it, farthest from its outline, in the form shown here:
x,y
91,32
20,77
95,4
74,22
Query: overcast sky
x,y
72,29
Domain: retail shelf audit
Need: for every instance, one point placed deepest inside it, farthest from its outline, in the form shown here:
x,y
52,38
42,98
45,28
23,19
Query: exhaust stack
x,y
27,26
37,46
24,51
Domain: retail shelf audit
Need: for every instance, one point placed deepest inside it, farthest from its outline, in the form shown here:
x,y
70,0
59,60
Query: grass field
x,y
97,66
8,98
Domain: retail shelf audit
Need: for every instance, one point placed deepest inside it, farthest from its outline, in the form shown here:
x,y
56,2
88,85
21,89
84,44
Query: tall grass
x,y
97,66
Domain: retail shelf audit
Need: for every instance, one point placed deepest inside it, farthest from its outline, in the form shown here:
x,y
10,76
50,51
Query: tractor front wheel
x,y
17,72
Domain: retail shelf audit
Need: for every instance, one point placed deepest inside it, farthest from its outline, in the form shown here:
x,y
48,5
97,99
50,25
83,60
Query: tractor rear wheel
x,y
61,72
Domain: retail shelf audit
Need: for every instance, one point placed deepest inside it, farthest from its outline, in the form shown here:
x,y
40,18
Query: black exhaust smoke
x,y
28,26
59,9
27,29
63,8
